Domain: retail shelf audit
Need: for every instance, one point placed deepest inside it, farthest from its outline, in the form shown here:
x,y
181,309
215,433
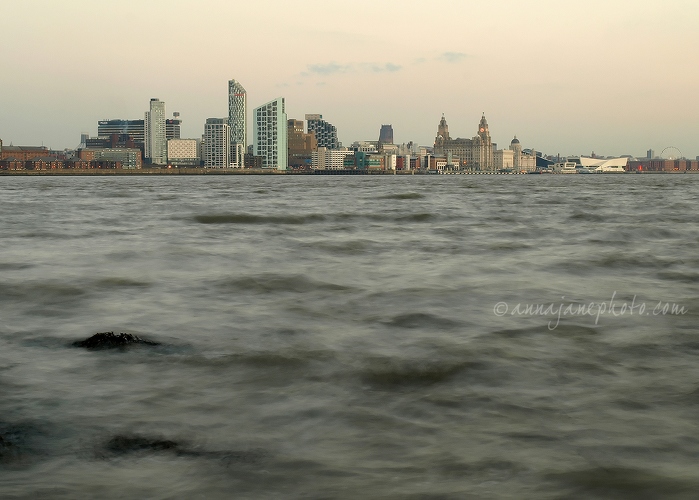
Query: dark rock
x,y
111,340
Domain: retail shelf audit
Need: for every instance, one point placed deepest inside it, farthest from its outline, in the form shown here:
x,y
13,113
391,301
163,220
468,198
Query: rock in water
x,y
133,444
110,340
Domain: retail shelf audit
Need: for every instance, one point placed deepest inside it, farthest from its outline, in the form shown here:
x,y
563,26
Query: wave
x,y
422,320
310,218
388,372
257,219
626,482
271,283
14,266
46,292
588,217
403,196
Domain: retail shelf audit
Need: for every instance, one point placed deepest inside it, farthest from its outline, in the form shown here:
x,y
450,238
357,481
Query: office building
x,y
237,121
154,131
271,134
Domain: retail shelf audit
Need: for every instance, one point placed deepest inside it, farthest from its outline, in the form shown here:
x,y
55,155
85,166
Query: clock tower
x,y
484,146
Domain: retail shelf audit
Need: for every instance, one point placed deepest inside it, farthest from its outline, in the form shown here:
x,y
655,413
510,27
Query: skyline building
x,y
217,143
271,134
326,133
155,137
476,153
237,121
386,134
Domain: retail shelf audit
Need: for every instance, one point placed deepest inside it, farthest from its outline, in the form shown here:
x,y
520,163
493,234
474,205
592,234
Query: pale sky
x,y
572,77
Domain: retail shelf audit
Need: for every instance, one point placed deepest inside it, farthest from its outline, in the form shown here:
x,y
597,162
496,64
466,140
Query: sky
x,y
612,77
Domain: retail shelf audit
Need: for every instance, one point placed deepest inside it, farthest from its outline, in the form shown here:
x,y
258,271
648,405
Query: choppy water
x,y
336,337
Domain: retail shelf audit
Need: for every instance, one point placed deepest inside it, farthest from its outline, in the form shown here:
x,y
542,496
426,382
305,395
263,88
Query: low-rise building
x,y
183,153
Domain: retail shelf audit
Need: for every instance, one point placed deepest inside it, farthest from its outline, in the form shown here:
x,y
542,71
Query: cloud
x,y
335,69
329,69
389,67
453,57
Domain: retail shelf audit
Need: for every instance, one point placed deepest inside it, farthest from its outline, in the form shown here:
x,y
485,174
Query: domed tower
x,y
517,148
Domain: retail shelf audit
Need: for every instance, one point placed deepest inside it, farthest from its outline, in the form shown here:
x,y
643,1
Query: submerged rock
x,y
130,444
110,340
137,444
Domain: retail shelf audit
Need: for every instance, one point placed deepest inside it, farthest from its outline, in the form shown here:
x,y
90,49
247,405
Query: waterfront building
x,y
183,153
326,133
329,159
522,161
271,134
217,142
237,121
476,153
154,132
128,158
504,159
23,153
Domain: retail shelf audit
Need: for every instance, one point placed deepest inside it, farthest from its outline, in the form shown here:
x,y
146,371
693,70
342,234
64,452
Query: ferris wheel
x,y
671,153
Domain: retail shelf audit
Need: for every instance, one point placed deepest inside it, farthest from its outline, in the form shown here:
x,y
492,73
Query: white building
x,y
217,141
154,132
329,159
503,159
183,152
271,134
237,121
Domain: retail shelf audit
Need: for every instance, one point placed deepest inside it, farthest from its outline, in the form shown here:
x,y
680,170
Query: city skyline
x,y
614,77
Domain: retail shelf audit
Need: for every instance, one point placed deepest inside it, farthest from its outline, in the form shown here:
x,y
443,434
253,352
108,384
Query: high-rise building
x,y
326,133
155,137
217,142
386,134
237,121
271,134
650,154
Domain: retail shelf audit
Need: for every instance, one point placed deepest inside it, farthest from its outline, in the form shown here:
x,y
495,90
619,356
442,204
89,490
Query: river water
x,y
350,337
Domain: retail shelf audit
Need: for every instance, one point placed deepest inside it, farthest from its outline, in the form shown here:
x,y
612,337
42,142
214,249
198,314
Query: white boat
x,y
565,167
